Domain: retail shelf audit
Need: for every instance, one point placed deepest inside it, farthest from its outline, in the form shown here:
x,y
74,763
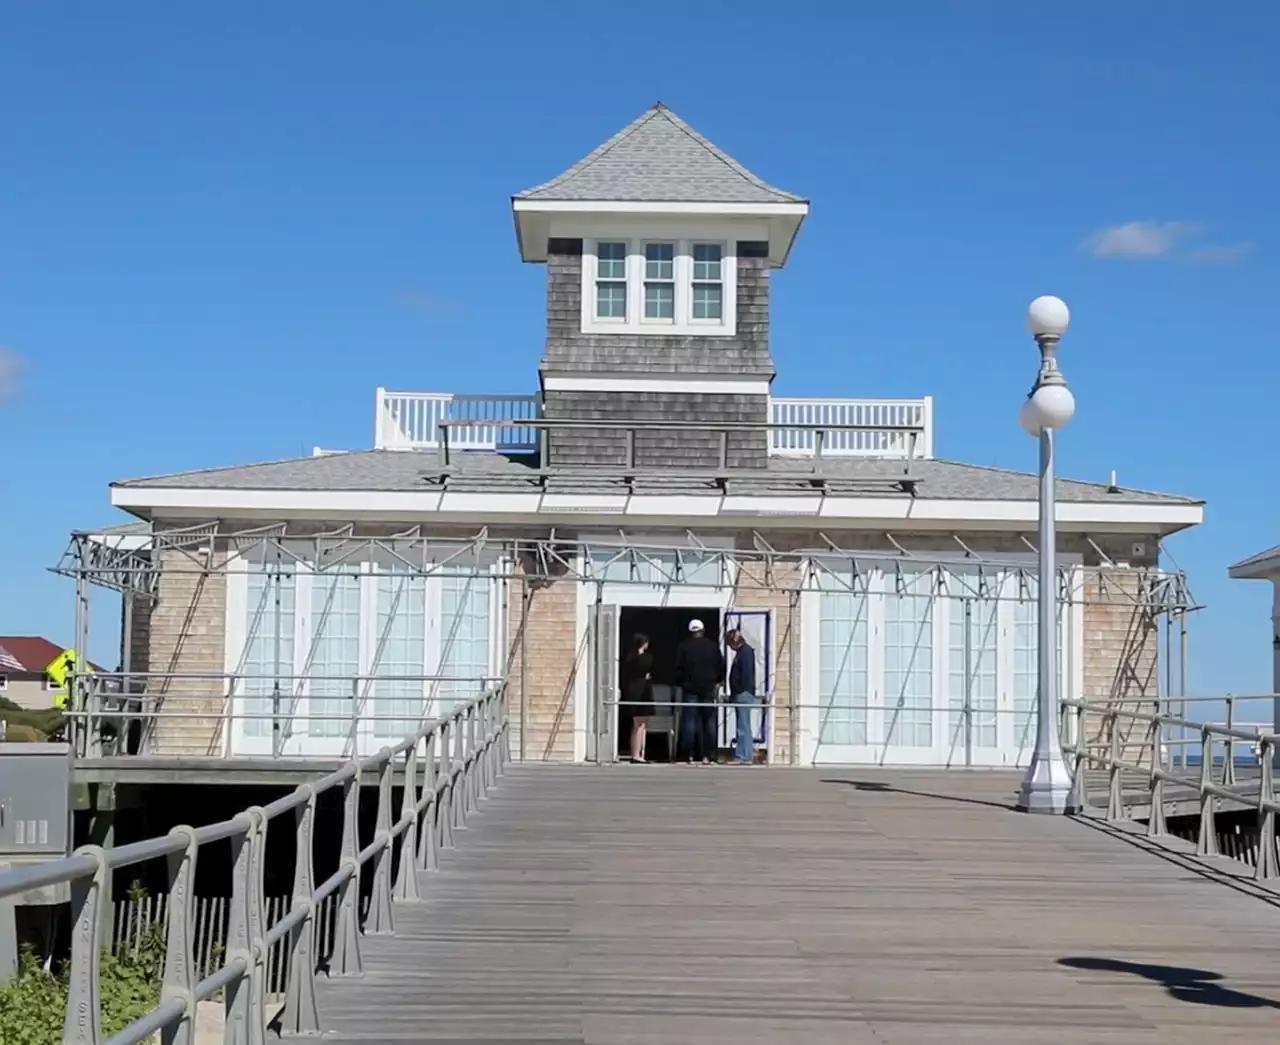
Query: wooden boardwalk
x,y
687,905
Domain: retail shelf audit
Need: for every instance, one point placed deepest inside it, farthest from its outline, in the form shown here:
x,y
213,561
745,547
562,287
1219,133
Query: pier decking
x,y
644,905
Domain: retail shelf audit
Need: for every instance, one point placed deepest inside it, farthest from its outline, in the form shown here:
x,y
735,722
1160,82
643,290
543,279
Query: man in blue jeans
x,y
742,691
699,674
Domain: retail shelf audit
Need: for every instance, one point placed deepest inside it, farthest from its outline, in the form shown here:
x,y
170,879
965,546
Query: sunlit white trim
x,y
749,210
749,386
759,511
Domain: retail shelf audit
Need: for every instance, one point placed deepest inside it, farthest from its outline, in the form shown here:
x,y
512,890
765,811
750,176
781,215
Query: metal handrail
x,y
1210,792
464,754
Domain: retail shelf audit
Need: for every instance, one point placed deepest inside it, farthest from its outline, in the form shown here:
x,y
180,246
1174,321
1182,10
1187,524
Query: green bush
x,y
45,721
33,1003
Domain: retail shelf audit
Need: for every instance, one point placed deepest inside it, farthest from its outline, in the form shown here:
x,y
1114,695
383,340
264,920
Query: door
x,y
757,628
602,745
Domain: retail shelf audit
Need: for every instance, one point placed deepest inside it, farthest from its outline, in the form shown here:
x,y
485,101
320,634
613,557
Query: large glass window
x,y
268,664
464,638
972,662
335,653
842,653
908,661
399,653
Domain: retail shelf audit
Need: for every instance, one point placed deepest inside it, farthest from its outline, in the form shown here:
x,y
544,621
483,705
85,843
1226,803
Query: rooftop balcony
x,y
899,428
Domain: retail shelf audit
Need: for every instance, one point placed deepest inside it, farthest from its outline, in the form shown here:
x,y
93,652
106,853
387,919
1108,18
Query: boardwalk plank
x,y
630,906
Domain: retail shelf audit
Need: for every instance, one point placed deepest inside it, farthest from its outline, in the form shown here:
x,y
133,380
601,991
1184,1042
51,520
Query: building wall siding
x,y
186,635
760,589
541,627
657,448
569,350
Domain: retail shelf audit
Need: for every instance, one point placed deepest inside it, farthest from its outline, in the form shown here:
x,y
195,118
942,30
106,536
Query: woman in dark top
x,y
637,691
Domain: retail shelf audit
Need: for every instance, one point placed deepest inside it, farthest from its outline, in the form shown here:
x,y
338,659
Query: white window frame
x,y
683,322
592,306
299,742
694,282
673,282
4,683
1011,750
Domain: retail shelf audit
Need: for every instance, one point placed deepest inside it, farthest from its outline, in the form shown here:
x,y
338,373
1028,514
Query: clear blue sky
x,y
223,225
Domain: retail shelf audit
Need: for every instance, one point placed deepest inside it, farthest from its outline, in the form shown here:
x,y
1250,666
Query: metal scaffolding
x,y
135,562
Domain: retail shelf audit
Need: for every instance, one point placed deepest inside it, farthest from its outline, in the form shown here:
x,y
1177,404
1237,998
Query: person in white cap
x,y
699,674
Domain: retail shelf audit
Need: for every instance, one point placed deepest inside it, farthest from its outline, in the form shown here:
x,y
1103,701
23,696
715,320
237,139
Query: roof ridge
x,y
721,155
596,153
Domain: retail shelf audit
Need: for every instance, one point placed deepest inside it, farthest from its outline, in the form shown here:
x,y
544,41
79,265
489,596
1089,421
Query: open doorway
x,y
666,628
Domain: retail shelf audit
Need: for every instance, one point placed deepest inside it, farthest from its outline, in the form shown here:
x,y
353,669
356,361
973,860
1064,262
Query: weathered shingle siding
x,y
657,448
571,351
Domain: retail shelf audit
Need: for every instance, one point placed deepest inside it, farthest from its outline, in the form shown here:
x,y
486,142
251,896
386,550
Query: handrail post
x,y
82,1022
258,925
1156,825
427,840
1229,756
458,774
245,1017
406,887
178,979
380,921
504,749
488,745
1115,797
444,797
477,750
1207,844
301,1012
468,761
346,960
1268,866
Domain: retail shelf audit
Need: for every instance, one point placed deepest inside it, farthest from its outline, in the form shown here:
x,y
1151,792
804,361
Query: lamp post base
x,y
1047,788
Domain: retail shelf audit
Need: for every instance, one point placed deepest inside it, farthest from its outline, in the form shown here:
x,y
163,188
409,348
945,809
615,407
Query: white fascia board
x,y
1267,569
759,511
750,210
728,385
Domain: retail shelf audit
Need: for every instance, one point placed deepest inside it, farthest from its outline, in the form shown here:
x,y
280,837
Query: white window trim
x,y
683,324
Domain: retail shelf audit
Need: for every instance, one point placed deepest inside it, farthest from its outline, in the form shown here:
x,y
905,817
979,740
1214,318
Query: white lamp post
x,y
1046,787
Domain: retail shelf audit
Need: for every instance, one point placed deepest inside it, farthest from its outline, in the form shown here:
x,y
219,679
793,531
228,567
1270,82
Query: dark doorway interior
x,y
666,629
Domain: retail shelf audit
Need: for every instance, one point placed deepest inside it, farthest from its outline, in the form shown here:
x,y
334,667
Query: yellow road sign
x,y
60,667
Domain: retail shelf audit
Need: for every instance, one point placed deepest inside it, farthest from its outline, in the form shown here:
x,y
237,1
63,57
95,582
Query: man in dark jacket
x,y
700,674
742,691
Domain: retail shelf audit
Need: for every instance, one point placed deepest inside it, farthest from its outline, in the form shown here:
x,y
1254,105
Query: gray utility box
x,y
35,811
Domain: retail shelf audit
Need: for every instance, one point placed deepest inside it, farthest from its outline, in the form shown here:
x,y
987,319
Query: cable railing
x,y
1213,783
450,765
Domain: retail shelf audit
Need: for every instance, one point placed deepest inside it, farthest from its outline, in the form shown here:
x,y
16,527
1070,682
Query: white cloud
x,y
1140,239
11,367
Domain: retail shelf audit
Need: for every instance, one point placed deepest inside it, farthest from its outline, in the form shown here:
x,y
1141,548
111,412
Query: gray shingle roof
x,y
1245,566
659,158
389,470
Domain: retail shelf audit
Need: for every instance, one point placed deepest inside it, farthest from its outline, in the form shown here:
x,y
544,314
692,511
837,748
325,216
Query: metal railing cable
x,y
1213,782
450,765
